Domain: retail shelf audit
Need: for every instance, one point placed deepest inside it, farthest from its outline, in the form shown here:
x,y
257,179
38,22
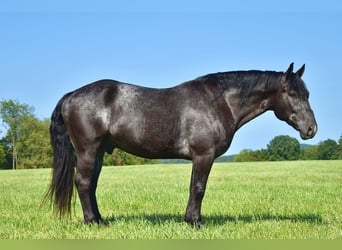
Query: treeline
x,y
286,148
25,140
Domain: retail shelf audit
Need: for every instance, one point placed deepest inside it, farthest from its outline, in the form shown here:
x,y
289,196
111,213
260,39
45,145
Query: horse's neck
x,y
257,103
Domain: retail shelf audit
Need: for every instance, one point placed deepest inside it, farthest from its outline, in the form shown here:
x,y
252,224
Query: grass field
x,y
271,200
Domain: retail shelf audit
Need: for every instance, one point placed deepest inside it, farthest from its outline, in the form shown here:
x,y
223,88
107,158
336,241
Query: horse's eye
x,y
292,93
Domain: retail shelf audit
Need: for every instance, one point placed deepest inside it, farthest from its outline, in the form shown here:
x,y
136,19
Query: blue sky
x,y
50,48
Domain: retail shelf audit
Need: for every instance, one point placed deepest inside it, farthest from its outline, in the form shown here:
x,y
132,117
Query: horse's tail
x,y
61,188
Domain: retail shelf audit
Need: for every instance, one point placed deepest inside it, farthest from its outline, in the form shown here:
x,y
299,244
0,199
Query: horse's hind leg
x,y
89,166
95,178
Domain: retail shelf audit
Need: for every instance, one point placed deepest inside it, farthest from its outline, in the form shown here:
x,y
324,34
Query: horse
x,y
195,120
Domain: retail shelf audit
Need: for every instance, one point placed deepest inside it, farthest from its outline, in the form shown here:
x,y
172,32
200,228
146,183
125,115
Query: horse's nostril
x,y
311,130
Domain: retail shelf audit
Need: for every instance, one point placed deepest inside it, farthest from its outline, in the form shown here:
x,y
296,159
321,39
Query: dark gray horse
x,y
195,120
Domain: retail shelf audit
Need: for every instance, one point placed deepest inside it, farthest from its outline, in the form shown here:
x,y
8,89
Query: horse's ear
x,y
289,71
287,74
300,72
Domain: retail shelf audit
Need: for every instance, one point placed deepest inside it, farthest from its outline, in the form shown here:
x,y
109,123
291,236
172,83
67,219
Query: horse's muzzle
x,y
310,133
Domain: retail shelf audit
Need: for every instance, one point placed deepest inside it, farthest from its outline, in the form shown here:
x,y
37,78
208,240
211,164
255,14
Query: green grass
x,y
271,200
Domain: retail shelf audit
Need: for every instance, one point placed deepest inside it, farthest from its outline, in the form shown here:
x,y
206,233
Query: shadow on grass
x,y
158,219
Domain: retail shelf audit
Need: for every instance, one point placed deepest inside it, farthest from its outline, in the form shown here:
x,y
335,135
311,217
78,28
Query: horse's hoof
x,y
103,223
195,223
100,222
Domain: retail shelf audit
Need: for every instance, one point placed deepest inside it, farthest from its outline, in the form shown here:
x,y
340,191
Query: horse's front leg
x,y
200,172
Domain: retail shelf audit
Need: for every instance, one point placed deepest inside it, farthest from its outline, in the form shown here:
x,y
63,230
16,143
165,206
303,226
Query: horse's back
x,y
143,121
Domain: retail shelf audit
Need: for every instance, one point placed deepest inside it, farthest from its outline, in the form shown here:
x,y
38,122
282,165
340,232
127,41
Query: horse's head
x,y
291,103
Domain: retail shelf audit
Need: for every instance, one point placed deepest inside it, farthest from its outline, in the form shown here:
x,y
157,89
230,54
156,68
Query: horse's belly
x,y
154,150
153,140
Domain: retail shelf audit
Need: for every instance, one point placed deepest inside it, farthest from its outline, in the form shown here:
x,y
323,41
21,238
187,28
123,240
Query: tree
x,y
5,154
250,155
309,153
13,115
328,150
121,158
283,148
34,149
340,147
3,160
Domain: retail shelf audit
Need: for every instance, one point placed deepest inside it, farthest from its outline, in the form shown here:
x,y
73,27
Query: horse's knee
x,y
82,183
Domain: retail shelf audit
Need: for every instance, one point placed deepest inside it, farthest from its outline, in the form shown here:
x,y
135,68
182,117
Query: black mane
x,y
247,81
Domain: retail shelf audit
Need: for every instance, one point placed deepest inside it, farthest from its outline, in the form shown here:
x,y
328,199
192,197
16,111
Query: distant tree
x,y
3,160
251,155
328,150
113,159
5,154
121,158
243,155
34,149
309,153
340,147
282,148
13,116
